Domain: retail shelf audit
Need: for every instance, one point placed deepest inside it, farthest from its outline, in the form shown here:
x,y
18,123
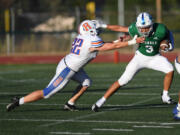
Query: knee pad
x,y
87,82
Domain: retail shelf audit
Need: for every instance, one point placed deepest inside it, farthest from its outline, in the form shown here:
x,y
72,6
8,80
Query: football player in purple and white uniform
x,y
71,67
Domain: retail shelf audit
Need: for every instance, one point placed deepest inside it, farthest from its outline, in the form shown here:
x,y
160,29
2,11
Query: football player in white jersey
x,y
71,67
176,110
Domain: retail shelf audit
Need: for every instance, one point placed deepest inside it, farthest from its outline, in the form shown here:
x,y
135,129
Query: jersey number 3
x,y
149,49
76,46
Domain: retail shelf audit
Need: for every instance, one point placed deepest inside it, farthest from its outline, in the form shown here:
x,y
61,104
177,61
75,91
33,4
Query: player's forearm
x,y
105,47
112,46
117,28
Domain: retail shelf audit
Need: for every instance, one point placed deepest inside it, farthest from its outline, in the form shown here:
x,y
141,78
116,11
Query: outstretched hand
x,y
99,24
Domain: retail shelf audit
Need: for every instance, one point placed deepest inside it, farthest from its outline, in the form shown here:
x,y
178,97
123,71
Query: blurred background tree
x,y
105,9
35,20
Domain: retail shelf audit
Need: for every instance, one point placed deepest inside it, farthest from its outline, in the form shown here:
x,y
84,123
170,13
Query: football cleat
x,y
177,116
94,108
70,107
175,110
166,99
14,103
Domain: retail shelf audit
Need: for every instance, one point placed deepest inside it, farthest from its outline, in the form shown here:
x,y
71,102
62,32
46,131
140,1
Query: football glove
x,y
99,24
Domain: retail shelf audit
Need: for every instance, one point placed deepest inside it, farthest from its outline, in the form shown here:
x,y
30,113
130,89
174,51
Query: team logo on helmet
x,y
87,27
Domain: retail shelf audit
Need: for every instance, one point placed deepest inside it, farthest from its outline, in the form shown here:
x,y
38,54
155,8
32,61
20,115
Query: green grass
x,y
135,109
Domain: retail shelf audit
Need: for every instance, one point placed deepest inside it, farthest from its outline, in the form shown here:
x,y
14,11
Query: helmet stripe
x,y
143,21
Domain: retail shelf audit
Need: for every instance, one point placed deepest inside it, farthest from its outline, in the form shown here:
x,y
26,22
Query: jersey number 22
x,y
76,45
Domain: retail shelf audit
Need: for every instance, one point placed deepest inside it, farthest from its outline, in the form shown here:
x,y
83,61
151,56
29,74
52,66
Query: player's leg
x,y
82,78
160,63
168,80
63,75
132,68
177,64
176,110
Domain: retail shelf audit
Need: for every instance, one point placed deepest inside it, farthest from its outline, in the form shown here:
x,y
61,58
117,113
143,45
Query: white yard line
x,y
94,121
151,126
69,133
144,101
13,71
115,130
98,113
73,119
19,81
172,123
136,103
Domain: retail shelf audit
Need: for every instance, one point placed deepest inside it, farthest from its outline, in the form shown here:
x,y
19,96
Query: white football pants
x,y
140,61
63,76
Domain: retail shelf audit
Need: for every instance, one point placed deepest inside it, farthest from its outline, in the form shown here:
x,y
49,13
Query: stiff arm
x,y
118,44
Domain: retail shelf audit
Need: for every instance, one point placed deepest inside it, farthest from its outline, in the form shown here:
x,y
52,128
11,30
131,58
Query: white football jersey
x,y
80,54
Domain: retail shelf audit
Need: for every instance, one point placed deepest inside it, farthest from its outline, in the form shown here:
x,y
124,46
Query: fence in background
x,y
59,41
53,43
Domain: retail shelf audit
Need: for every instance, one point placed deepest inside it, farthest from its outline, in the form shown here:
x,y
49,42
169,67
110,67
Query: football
x,y
164,45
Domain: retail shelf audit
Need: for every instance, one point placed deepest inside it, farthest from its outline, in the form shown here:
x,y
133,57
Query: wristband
x,y
132,42
104,26
115,41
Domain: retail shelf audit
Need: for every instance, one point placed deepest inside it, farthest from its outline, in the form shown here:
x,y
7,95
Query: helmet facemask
x,y
146,33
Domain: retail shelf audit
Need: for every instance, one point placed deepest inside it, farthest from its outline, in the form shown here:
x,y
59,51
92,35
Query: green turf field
x,y
136,109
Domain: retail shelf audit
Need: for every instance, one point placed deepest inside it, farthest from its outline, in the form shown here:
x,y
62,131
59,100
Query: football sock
x,y
100,102
71,103
165,92
21,101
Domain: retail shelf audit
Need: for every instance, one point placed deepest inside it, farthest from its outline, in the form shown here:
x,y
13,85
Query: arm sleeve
x,y
171,39
162,32
97,42
131,29
168,35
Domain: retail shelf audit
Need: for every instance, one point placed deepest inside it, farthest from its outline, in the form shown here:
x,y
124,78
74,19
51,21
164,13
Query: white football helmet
x,y
177,64
144,20
87,27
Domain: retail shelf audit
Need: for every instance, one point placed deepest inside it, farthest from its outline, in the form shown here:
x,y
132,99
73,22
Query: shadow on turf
x,y
122,88
105,108
131,107
144,106
11,95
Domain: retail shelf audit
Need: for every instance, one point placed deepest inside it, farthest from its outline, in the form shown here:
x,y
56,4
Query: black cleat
x,y
171,101
95,108
70,107
14,103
